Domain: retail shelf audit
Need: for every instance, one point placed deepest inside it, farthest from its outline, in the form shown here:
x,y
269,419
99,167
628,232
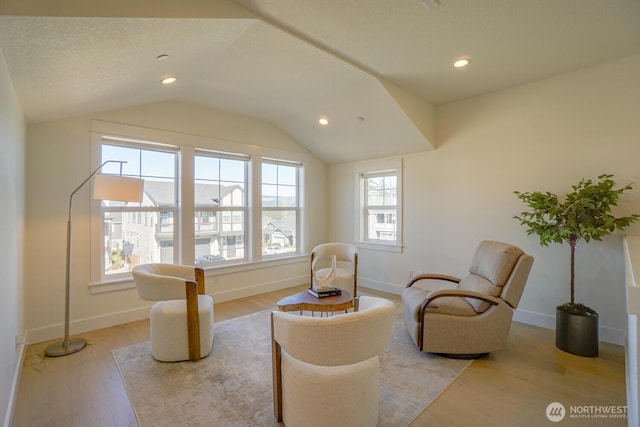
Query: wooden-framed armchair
x,y
326,369
181,321
468,317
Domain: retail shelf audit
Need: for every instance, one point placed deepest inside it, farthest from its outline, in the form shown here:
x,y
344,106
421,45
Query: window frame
x,y
98,268
297,208
188,145
223,209
371,169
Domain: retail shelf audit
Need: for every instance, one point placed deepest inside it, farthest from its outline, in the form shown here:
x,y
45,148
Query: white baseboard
x,y
535,319
259,288
13,394
612,336
380,286
80,326
606,334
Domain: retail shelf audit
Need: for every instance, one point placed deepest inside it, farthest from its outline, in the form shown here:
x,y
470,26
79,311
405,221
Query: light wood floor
x,y
509,388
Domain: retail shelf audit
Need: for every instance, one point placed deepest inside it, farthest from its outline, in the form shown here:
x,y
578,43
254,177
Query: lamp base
x,y
62,348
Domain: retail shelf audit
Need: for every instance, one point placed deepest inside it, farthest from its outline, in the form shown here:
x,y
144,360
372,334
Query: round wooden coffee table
x,y
305,301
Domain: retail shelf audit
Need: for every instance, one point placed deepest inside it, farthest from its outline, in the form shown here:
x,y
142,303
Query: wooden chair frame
x,y
452,293
276,369
193,289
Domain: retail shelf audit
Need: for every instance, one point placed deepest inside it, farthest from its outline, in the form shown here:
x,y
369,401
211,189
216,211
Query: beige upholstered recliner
x,y
468,317
181,322
326,369
346,271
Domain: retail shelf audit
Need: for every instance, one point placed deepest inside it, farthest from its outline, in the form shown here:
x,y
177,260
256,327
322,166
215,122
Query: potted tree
x,y
585,214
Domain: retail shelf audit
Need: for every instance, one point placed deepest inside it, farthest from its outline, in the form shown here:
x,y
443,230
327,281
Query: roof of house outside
x,y
162,193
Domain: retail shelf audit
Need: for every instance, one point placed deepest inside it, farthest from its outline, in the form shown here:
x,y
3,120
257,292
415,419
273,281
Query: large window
x,y
212,208
280,207
220,203
137,233
379,186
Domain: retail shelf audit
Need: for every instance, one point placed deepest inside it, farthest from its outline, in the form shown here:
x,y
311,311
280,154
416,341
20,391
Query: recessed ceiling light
x,y
168,80
462,62
162,57
323,121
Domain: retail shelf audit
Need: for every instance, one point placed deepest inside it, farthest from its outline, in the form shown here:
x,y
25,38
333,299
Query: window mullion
x,y
185,239
255,208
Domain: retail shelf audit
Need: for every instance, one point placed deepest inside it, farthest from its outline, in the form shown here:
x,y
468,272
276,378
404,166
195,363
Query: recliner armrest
x,y
432,276
461,293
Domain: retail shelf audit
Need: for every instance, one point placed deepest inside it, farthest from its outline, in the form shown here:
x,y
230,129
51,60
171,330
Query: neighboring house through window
x,y
139,233
220,200
379,189
280,206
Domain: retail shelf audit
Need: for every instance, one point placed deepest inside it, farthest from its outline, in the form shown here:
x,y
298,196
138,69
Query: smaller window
x,y
380,207
379,185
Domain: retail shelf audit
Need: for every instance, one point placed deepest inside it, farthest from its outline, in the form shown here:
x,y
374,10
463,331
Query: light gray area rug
x,y
232,386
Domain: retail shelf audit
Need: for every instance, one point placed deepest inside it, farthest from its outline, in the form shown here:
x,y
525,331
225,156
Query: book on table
x,y
324,292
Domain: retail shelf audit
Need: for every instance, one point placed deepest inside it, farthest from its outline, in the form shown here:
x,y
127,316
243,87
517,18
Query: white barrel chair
x,y
326,369
181,321
344,274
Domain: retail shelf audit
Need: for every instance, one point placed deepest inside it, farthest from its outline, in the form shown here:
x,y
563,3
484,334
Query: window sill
x,y
111,285
385,247
255,265
210,271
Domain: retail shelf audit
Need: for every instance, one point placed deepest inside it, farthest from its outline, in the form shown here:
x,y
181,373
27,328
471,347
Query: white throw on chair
x,y
326,369
181,322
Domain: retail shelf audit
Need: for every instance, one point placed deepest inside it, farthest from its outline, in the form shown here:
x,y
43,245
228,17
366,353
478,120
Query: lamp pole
x,y
72,345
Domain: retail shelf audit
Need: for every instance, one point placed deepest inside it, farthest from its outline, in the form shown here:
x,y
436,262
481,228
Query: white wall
x,y
12,170
58,155
541,136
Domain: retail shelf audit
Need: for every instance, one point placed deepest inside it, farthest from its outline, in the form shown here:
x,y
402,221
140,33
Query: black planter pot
x,y
577,334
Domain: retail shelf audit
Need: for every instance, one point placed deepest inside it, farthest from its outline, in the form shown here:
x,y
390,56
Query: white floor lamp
x,y
105,187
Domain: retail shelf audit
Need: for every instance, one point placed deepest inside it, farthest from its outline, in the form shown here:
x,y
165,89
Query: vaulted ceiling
x,y
377,69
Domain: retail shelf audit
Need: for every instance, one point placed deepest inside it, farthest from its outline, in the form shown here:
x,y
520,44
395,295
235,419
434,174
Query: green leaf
x,y
583,214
